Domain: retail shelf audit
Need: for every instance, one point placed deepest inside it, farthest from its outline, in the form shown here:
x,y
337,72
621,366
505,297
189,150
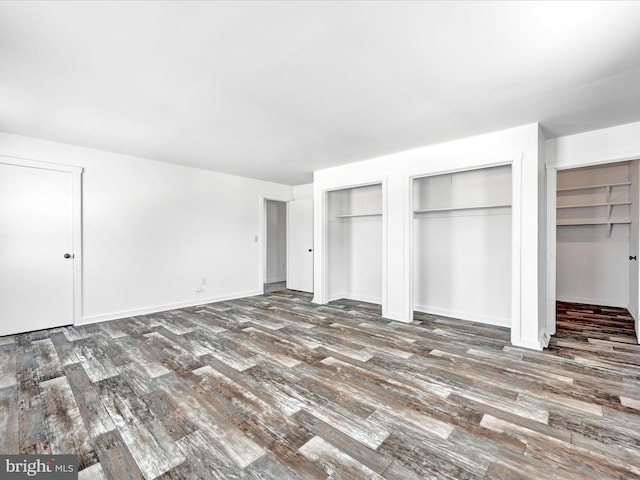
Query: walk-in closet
x,y
354,243
593,233
462,244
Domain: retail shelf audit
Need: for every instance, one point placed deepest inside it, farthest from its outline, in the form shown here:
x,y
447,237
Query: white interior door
x,y
634,244
300,245
36,232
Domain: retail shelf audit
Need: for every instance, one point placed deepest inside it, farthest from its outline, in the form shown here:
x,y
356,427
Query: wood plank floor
x,y
276,387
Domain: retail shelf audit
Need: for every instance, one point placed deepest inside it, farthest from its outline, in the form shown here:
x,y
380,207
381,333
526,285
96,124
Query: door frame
x,y
515,162
261,238
552,261
76,198
321,239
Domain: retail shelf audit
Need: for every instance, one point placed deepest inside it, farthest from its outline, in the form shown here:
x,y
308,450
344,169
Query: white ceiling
x,y
275,90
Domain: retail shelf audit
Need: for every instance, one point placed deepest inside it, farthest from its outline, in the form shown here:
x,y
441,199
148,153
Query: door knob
x,y
632,258
68,255
311,250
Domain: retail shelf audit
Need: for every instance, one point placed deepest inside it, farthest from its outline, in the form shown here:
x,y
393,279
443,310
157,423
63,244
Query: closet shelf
x,y
590,187
354,215
593,222
453,209
601,204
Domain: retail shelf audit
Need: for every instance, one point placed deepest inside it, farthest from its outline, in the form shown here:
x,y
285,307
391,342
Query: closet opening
x,y
462,242
355,244
275,246
597,245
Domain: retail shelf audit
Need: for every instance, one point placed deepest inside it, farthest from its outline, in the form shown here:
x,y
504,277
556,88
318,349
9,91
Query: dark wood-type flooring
x,y
274,387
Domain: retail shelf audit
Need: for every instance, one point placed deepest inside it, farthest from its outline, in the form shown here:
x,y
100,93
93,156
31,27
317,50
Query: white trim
x,y
531,344
23,162
623,157
406,315
76,196
543,337
516,250
336,296
476,165
396,317
470,317
167,307
319,244
384,297
552,182
262,233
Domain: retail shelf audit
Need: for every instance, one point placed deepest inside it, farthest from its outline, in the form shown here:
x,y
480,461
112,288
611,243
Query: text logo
x,y
50,467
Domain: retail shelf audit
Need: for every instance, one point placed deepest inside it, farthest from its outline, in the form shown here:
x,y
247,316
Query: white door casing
x,y
634,244
634,236
39,225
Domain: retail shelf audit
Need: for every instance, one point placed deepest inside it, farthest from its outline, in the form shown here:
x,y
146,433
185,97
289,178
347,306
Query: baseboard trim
x,y
336,296
396,317
276,280
357,298
543,337
471,317
590,301
529,344
164,308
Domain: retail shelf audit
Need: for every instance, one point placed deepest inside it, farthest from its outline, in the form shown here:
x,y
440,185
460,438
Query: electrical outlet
x,y
204,281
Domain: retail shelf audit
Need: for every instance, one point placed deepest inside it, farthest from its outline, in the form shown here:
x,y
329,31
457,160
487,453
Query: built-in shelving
x,y
594,222
590,187
598,196
603,204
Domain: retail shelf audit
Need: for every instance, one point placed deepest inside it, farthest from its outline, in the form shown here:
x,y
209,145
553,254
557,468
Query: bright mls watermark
x,y
51,467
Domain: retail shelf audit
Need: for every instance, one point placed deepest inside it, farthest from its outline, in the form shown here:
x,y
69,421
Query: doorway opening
x,y
275,248
596,250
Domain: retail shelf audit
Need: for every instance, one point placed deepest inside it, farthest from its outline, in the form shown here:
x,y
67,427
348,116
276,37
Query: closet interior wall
x,y
354,244
593,217
462,245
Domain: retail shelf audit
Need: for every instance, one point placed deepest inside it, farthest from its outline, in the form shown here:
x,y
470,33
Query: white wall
x,y
153,230
462,260
592,262
518,145
276,254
